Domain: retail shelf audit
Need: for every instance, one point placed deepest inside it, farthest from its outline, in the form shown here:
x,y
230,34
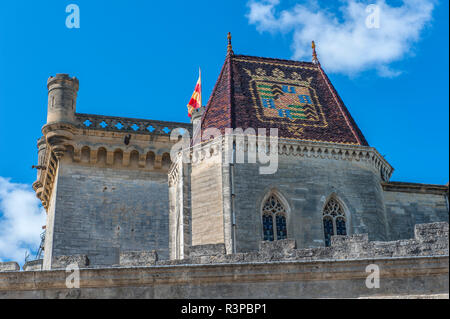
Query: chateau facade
x,y
112,191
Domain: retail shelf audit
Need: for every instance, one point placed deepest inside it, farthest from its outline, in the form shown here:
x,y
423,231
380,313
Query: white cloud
x,y
21,220
344,43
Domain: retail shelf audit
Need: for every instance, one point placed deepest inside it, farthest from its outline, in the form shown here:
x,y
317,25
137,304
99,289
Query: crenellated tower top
x,y
62,98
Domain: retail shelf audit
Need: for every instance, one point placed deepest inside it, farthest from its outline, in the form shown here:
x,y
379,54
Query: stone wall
x,y
101,212
227,199
207,202
50,222
9,266
33,265
399,278
415,268
305,185
180,223
410,204
430,240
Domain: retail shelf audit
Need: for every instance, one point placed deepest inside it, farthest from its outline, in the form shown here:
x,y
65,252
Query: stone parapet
x,y
400,277
431,240
207,250
131,125
33,265
59,262
414,268
138,258
9,266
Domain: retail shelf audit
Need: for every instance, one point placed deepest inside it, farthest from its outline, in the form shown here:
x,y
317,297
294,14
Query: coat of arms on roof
x,y
285,96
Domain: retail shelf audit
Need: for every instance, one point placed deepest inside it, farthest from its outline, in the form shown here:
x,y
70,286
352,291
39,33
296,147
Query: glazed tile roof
x,y
295,97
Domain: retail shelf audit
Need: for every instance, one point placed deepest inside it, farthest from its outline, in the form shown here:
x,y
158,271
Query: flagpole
x,y
200,75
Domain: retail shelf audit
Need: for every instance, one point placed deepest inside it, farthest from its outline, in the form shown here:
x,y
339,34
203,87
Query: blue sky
x,y
141,58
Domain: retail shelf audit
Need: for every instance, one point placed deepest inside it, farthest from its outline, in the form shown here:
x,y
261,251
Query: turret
x,y
62,98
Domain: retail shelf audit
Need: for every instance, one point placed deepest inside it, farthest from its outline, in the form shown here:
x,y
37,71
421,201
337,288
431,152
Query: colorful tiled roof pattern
x,y
295,97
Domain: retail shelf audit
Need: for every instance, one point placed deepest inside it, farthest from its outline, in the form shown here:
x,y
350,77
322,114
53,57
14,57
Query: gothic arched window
x,y
274,219
333,220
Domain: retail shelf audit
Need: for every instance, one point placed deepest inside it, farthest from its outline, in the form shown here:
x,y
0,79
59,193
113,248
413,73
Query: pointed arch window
x,y
334,220
274,219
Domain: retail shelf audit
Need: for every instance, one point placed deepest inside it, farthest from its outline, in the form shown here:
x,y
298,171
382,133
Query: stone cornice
x,y
417,188
148,140
307,149
147,148
335,151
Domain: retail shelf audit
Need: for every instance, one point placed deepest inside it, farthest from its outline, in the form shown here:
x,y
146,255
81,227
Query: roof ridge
x,y
343,108
214,90
333,92
273,59
231,91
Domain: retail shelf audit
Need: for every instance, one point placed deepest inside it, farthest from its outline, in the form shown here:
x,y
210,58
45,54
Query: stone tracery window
x,y
274,219
334,220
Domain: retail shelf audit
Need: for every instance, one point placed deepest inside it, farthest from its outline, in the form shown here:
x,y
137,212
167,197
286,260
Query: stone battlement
x,y
414,268
430,240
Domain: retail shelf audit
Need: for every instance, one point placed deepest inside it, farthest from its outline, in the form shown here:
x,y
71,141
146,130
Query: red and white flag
x,y
196,99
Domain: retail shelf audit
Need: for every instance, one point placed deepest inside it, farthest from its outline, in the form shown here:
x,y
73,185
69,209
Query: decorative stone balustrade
x,y
122,124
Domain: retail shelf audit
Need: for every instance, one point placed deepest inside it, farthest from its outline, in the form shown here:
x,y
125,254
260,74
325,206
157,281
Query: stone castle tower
x,y
109,185
102,180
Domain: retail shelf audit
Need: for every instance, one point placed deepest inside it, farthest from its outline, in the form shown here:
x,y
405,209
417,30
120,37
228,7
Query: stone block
x,y
278,246
33,265
346,240
63,261
427,233
138,258
207,250
9,266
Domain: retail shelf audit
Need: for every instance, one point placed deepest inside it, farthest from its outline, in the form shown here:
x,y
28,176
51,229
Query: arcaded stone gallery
x,y
207,221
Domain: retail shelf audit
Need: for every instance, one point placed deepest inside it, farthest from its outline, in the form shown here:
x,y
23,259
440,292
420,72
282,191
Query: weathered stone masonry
x,y
103,181
414,268
204,225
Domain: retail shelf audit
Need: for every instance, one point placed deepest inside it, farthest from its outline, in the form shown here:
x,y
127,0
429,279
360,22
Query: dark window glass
x,y
274,212
333,220
328,230
340,227
268,227
281,227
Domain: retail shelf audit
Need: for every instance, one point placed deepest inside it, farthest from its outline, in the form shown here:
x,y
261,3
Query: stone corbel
x,y
59,150
38,188
57,136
